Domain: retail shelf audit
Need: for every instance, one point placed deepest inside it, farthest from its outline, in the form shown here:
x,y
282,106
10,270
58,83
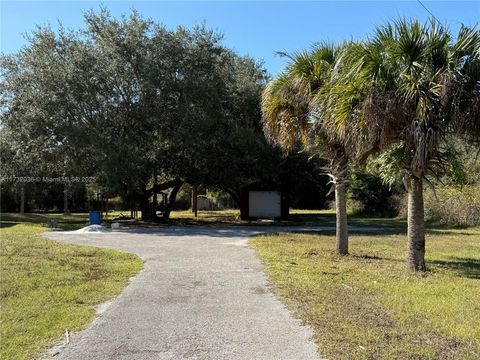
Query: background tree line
x,y
141,108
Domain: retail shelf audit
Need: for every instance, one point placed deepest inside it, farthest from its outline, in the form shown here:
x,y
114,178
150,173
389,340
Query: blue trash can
x,y
95,217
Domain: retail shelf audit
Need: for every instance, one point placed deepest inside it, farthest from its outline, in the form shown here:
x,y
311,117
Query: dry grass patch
x,y
366,306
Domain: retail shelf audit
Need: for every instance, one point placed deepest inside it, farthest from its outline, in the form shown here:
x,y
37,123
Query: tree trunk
x,y
22,199
147,208
341,213
171,200
65,201
416,225
155,198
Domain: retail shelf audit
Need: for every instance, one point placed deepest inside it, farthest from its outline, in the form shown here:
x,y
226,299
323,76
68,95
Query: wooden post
x,y
155,198
195,200
193,197
106,208
22,199
132,202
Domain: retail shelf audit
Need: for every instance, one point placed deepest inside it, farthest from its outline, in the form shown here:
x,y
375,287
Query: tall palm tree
x,y
411,87
292,117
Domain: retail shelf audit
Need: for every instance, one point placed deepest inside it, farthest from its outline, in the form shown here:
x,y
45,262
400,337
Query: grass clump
x,y
367,306
47,287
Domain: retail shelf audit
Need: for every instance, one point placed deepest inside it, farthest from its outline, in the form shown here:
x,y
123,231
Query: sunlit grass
x,y
215,215
364,306
47,287
367,306
311,212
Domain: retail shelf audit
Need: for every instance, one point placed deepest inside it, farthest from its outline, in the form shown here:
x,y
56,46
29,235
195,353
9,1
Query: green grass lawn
x,y
47,287
367,306
204,217
218,217
297,217
364,306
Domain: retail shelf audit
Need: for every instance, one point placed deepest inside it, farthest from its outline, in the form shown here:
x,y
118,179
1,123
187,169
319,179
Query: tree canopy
x,y
141,107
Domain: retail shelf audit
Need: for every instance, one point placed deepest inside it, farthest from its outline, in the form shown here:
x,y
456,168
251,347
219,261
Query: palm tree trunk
x,y
416,225
341,213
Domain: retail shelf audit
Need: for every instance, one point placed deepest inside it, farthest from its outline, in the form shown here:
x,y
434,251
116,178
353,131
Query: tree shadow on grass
x,y
313,219
464,267
370,257
4,224
447,231
61,222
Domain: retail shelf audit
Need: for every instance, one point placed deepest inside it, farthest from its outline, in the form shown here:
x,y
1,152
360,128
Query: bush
x,y
454,205
368,195
220,200
184,199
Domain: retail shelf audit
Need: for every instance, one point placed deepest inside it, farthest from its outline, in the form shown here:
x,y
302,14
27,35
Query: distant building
x,y
263,201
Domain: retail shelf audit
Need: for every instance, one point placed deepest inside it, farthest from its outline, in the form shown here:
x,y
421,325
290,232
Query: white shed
x,y
265,204
260,200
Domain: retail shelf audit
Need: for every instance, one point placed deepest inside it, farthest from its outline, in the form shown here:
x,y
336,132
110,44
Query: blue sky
x,y
256,28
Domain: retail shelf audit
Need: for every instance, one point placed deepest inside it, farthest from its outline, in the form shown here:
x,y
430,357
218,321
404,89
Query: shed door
x,y
264,204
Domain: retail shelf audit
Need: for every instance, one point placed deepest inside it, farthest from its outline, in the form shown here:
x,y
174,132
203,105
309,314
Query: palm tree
x,y
411,87
292,117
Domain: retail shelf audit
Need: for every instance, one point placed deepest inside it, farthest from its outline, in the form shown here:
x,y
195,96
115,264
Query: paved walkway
x,y
201,295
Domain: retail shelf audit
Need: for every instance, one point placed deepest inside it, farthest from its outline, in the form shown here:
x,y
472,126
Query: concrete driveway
x,y
201,295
